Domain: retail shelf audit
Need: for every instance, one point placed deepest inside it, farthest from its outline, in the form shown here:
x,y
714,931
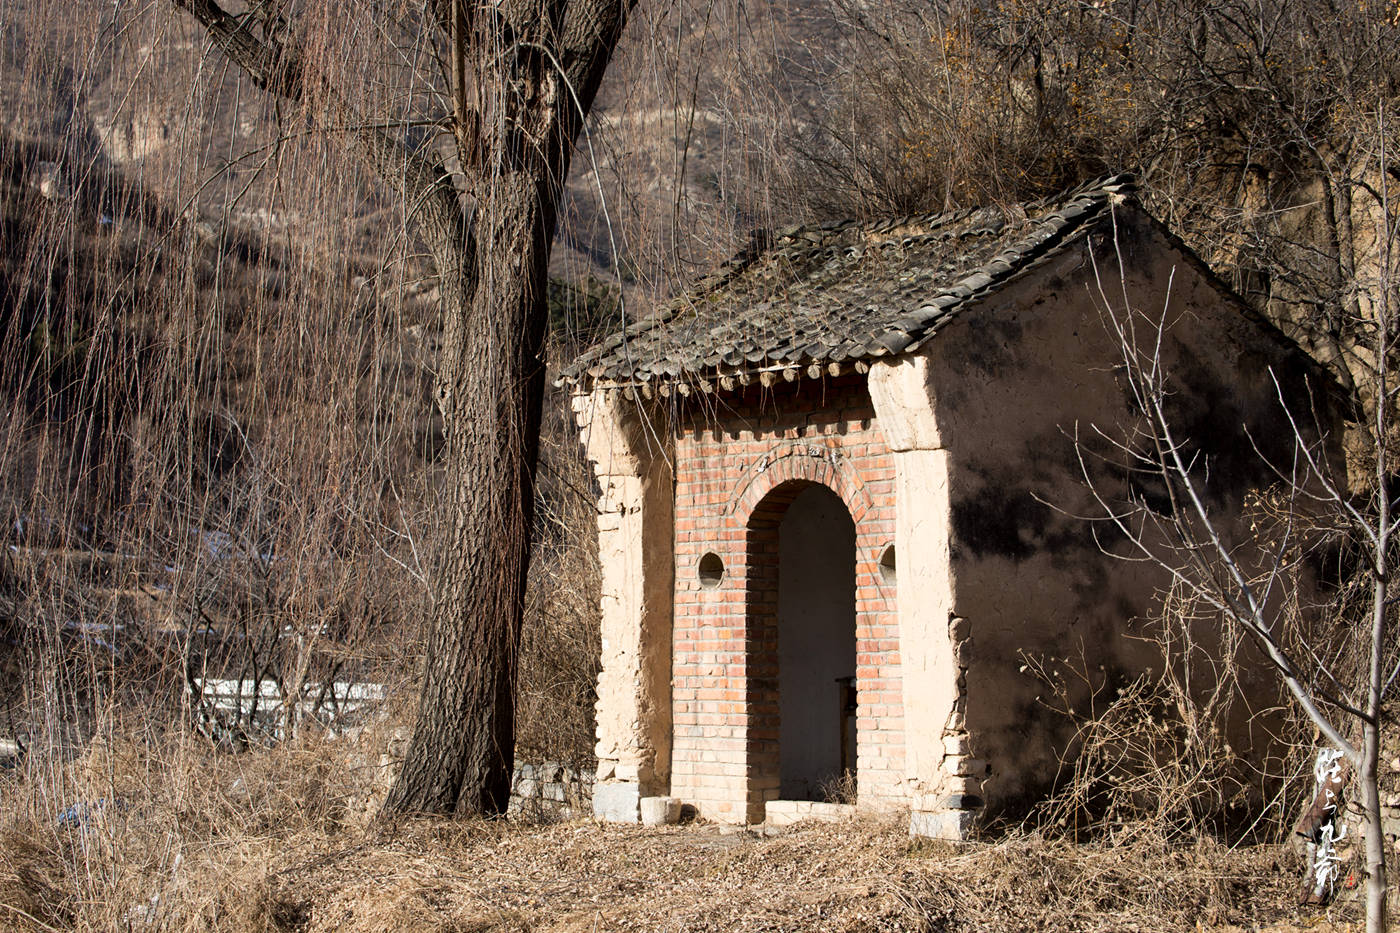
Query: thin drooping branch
x,y
279,65
1192,545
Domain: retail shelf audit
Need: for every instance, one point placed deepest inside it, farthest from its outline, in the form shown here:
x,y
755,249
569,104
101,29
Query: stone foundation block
x,y
952,825
963,802
957,745
617,801
660,811
783,812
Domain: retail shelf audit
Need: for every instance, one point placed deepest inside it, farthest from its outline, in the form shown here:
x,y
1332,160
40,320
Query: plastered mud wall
x,y
1029,391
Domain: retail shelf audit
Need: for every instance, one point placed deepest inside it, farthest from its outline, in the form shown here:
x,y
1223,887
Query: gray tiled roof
x,y
822,298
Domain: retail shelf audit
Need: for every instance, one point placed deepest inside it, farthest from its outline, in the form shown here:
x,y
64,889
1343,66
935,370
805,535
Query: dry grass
x,y
282,839
865,875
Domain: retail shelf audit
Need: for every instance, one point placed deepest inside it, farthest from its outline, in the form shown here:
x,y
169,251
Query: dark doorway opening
x,y
816,646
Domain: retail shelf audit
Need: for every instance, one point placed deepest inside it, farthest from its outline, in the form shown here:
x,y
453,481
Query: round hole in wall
x,y
711,570
887,570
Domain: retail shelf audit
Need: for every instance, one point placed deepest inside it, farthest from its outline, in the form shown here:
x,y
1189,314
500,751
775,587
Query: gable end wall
x,y
1013,380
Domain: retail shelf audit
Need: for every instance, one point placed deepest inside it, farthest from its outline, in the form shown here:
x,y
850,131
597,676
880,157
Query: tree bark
x,y
533,68
491,387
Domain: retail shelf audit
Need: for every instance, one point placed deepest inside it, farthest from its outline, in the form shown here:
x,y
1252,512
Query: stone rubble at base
x,y
549,790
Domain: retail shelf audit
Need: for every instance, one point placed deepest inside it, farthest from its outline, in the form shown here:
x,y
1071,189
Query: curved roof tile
x,y
843,291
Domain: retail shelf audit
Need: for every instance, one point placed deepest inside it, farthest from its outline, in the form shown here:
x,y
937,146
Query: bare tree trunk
x,y
491,386
1379,640
1375,836
522,78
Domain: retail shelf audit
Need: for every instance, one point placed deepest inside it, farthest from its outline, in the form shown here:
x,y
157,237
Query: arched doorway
x,y
802,620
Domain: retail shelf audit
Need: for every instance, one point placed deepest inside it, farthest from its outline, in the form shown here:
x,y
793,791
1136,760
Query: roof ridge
x,y
1113,182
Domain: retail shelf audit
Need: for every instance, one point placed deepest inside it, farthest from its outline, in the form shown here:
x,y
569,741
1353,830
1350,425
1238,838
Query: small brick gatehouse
x,y
841,502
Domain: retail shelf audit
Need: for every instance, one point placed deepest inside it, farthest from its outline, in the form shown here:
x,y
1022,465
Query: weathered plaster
x,y
635,538
932,639
1015,381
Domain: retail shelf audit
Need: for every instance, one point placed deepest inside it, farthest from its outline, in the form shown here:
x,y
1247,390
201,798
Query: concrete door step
x,y
777,813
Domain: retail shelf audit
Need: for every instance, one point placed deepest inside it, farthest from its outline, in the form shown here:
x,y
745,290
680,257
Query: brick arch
x,y
798,463
720,478
762,698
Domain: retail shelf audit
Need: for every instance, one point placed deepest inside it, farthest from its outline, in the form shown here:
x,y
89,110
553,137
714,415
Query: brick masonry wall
x,y
739,461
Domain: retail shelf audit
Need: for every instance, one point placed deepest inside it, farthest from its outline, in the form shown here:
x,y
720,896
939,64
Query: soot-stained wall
x,y
1030,390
